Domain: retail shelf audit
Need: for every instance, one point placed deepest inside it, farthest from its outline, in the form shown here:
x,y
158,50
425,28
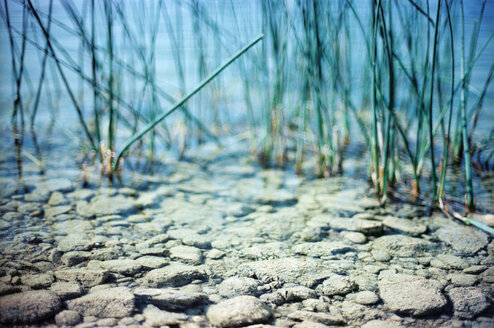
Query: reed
x,y
327,75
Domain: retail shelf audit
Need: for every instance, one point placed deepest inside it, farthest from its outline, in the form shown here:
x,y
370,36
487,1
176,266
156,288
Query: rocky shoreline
x,y
233,248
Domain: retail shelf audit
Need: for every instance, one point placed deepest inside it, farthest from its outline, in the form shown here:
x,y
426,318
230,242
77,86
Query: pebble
x,y
468,302
236,286
115,302
28,307
239,311
157,318
186,254
173,275
68,318
366,298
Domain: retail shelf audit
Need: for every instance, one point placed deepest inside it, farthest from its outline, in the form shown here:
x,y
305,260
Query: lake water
x,y
212,238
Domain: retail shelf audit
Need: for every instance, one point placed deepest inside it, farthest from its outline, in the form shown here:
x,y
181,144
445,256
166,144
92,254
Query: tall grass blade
x,y
180,102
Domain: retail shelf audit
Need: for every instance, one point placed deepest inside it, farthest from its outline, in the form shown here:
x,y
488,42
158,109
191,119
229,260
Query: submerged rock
x,y
157,318
170,299
186,254
287,270
463,239
67,290
336,285
366,297
87,278
115,302
323,248
38,281
402,246
173,275
239,311
408,226
28,307
323,318
126,267
408,294
68,318
468,302
104,205
236,286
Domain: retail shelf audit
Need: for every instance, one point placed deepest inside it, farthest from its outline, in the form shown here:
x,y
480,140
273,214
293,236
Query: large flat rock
x,y
413,295
115,302
402,246
463,239
28,307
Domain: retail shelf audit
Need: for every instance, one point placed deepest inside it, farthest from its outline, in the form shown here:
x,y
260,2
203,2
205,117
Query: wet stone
x,y
266,251
115,302
448,261
463,239
107,322
74,258
488,275
158,251
68,318
463,280
152,262
236,286
74,242
286,270
157,318
402,246
368,227
38,281
239,311
468,302
297,293
123,266
407,226
366,298
170,299
53,211
60,184
57,198
191,238
322,248
173,275
381,324
215,254
28,307
336,285
411,294
354,237
67,290
40,195
33,209
86,277
103,205
186,254
323,318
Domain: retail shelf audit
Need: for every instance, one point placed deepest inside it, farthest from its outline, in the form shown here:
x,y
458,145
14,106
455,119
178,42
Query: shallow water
x,y
163,249
214,239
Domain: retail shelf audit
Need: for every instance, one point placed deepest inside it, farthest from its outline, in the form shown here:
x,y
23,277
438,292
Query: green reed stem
x,y
440,191
431,136
180,102
464,128
62,75
43,69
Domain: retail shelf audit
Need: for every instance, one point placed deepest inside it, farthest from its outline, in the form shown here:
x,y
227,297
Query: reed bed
x,y
400,77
